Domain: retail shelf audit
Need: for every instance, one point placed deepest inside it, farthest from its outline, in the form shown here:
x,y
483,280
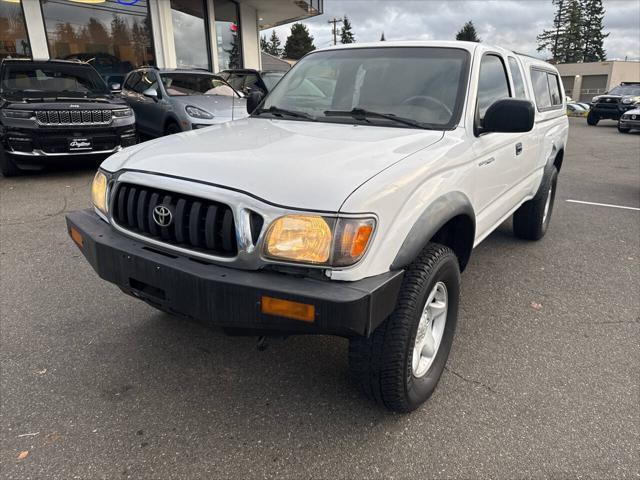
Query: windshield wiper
x,y
281,111
362,114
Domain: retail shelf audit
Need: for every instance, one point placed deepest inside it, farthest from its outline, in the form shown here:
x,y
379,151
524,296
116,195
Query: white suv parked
x,y
348,203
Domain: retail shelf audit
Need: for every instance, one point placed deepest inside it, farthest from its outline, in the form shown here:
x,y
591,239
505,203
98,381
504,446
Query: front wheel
x,y
592,119
172,128
399,365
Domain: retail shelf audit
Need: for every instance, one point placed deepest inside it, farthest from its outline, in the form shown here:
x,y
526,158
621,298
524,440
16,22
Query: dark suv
x,y
614,103
58,110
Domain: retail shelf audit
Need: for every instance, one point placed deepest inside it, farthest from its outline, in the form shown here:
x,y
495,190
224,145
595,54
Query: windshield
x,y
181,84
67,79
423,85
271,79
633,90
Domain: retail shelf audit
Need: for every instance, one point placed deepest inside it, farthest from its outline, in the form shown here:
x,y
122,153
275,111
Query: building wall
x,y
624,72
597,77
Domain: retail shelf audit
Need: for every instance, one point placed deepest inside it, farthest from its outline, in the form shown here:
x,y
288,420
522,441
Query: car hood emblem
x,y
162,216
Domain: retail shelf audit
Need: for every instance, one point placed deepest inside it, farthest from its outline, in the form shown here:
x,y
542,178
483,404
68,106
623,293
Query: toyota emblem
x,y
162,216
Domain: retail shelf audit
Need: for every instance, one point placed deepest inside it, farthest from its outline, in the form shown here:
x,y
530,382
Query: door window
x,y
518,81
546,88
132,79
493,84
554,89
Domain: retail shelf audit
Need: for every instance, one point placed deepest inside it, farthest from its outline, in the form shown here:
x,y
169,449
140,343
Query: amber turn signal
x,y
76,237
288,309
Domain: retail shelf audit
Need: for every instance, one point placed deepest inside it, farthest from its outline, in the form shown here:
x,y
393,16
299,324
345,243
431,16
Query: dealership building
x,y
119,35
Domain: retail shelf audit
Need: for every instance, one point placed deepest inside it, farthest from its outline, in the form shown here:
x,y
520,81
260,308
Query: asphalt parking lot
x,y
542,380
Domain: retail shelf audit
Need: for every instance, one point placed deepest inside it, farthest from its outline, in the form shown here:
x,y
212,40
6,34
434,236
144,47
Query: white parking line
x,y
604,205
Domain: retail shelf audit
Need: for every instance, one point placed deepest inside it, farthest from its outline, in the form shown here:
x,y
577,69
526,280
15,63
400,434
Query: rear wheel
x,y
531,220
592,118
7,167
400,364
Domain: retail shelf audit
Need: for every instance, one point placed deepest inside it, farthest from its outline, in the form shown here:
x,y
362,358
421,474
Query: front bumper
x,y
43,145
629,123
228,297
613,112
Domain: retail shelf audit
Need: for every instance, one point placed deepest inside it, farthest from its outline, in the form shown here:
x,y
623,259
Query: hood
x,y
217,105
306,165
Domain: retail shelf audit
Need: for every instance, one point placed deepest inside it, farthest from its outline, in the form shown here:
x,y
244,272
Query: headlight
x,y
595,99
17,113
196,112
318,240
123,112
99,191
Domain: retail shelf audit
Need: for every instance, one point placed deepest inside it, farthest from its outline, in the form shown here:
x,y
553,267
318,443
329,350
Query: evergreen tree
x,y
264,45
298,43
274,45
234,51
382,39
573,44
468,33
552,40
593,31
346,34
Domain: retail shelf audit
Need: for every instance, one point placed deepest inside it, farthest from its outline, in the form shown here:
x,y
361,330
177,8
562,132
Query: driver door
x,y
498,155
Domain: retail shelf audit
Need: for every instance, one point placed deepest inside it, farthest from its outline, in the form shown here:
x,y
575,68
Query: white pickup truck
x,y
348,202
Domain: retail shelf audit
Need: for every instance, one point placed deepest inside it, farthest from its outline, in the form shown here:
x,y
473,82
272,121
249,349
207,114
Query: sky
x,y
513,24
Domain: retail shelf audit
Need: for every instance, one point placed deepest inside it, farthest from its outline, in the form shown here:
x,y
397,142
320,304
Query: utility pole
x,y
335,22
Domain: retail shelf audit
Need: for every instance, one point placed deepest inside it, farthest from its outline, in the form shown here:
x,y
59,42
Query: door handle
x,y
518,148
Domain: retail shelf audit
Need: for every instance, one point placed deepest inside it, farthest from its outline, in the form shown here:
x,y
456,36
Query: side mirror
x,y
115,87
509,116
253,100
151,93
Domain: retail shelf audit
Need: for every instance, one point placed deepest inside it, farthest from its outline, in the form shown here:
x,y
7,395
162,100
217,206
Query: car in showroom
x,y
630,120
612,104
349,213
245,79
168,101
110,67
58,111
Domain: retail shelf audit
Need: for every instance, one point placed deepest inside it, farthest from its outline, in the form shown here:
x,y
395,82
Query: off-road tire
x,y
7,167
381,364
623,130
592,119
529,221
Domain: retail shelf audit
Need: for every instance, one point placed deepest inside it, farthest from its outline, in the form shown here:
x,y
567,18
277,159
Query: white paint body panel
x,y
393,173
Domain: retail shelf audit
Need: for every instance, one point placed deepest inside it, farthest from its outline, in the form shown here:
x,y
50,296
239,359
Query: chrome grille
x,y
196,223
73,117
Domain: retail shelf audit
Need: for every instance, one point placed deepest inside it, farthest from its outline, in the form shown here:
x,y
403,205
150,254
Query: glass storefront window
x,y
115,37
14,41
190,33
228,34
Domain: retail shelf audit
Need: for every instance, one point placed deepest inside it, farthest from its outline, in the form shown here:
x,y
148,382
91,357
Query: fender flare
x,y
432,219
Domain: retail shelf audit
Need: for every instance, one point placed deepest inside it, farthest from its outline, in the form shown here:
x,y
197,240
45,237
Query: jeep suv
x,y
350,212
614,103
52,111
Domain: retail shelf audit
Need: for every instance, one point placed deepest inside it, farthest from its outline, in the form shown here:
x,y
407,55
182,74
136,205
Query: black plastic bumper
x,y
228,297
